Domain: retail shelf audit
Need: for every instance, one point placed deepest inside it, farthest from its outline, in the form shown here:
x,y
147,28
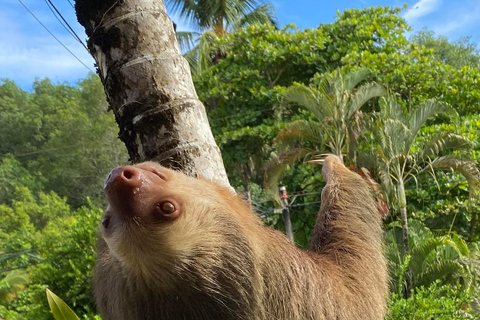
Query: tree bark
x,y
408,272
149,86
403,217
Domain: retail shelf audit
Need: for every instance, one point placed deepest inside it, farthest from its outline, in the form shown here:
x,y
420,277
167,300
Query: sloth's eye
x,y
106,222
167,207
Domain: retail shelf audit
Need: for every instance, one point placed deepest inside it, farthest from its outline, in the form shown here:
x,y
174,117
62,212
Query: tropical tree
x,y
401,158
335,103
149,86
215,19
460,53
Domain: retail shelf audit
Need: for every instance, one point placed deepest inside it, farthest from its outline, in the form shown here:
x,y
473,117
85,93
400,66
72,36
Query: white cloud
x,y
459,20
28,51
420,9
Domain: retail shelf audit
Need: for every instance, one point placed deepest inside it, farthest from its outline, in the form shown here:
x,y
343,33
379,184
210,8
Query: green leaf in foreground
x,y
60,310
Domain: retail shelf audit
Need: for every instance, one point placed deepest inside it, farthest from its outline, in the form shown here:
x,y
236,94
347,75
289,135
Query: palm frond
x,y
298,132
421,251
205,48
391,109
275,168
461,245
441,142
418,232
264,14
304,96
187,40
393,137
353,78
362,95
185,8
425,111
466,168
192,59
440,269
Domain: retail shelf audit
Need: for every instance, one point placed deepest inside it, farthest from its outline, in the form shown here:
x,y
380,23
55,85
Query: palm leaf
x,y
205,47
418,232
304,96
461,246
391,109
298,132
353,78
185,8
466,168
441,269
192,59
264,14
362,95
421,251
187,40
425,111
60,310
275,168
392,137
441,142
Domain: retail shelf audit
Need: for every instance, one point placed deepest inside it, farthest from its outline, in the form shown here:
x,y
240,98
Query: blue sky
x,y
28,51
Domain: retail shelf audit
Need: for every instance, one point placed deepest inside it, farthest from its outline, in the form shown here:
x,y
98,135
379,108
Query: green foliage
x,y
399,159
65,141
14,175
11,284
7,314
62,125
373,29
56,245
216,18
20,123
458,54
432,257
436,301
416,75
335,103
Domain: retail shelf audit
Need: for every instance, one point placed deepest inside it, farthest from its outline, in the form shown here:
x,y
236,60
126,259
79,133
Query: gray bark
x,y
408,272
149,86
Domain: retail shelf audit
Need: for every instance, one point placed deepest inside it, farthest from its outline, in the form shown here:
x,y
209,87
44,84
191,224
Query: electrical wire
x,y
58,40
67,26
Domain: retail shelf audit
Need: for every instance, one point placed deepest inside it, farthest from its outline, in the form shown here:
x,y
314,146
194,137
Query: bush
x,y
435,302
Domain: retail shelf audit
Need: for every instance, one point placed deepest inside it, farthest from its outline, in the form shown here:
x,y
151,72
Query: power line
x,y
67,26
71,4
54,36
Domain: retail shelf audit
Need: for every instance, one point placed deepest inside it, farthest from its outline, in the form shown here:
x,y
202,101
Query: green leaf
x,y
60,310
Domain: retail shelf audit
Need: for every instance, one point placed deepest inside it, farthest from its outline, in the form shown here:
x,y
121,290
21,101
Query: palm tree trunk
x,y
149,86
403,217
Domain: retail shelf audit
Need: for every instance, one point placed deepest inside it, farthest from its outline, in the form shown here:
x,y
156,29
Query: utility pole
x,y
282,190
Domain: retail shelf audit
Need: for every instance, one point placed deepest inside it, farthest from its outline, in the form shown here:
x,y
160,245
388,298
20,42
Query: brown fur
x,y
217,261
